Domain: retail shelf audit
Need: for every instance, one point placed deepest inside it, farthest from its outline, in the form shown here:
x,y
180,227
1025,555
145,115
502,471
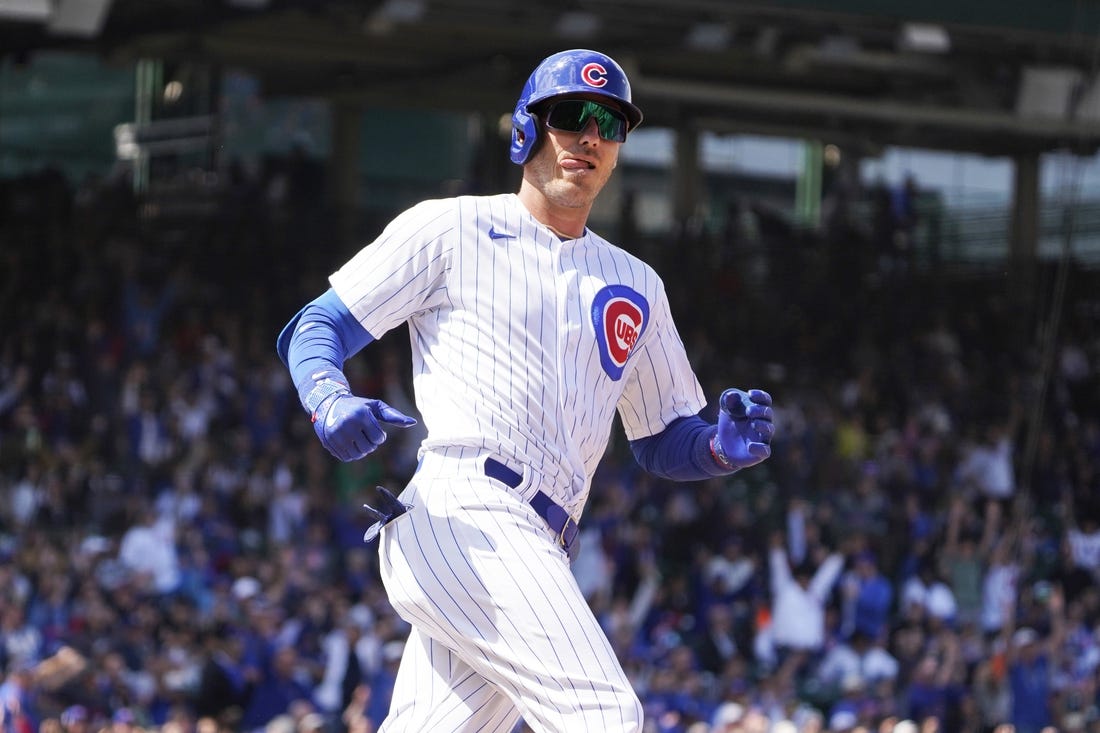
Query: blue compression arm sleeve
x,y
680,452
320,338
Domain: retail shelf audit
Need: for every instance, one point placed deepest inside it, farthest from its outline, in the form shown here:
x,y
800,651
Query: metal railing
x,y
981,236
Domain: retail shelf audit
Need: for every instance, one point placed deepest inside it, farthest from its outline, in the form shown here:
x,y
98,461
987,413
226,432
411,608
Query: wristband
x,y
719,455
321,392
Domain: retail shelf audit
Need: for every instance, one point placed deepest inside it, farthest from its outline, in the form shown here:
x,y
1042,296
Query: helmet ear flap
x,y
525,133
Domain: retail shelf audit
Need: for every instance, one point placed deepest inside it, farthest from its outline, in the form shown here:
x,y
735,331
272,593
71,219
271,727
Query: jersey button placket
x,y
567,291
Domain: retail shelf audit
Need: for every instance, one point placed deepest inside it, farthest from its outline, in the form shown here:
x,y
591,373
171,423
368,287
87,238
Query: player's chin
x,y
589,179
573,195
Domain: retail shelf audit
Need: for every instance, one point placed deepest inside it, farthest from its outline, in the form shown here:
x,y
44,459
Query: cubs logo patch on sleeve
x,y
619,316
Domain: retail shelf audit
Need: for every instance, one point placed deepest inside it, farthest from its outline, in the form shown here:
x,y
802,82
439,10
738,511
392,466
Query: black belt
x,y
559,520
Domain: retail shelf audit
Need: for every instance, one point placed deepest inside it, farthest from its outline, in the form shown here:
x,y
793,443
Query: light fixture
x,y
923,38
26,10
83,18
577,24
1046,92
709,36
392,13
173,90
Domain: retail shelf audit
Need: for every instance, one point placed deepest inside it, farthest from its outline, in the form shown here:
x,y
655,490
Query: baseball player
x,y
529,331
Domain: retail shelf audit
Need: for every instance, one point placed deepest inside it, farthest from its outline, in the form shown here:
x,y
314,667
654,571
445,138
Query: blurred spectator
x,y
1081,544
145,308
931,692
18,698
868,597
22,642
76,719
859,657
962,556
716,645
148,551
1031,658
222,689
986,465
381,683
280,685
727,718
352,656
927,590
1000,583
992,694
729,573
799,597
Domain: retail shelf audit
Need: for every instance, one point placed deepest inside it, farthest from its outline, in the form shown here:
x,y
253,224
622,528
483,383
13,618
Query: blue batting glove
x,y
350,427
745,428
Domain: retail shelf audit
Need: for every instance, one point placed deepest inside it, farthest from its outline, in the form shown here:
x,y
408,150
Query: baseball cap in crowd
x,y
843,720
95,545
360,616
246,587
728,713
310,723
1024,636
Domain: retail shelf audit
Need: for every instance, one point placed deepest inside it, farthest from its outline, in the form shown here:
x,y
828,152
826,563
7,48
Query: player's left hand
x,y
745,428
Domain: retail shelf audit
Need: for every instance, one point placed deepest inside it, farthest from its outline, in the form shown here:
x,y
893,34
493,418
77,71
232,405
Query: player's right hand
x,y
350,427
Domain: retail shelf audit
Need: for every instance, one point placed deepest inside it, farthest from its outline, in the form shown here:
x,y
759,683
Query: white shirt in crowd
x,y
1084,548
845,662
151,548
998,594
935,597
989,468
798,614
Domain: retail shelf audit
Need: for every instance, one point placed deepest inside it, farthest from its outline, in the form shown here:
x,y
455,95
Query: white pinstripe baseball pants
x,y
500,628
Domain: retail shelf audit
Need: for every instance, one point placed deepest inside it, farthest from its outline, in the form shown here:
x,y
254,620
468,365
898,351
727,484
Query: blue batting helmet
x,y
568,72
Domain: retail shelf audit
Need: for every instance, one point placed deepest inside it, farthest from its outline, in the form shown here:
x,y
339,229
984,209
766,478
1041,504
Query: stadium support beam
x,y
686,177
343,167
1024,237
781,104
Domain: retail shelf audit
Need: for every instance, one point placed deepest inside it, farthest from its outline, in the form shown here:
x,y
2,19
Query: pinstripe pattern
x,y
470,567
504,349
509,361
437,691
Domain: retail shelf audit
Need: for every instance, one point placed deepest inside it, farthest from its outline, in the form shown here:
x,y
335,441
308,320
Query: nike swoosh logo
x,y
494,234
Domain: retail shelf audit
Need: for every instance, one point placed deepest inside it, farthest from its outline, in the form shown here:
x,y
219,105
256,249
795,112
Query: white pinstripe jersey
x,y
523,344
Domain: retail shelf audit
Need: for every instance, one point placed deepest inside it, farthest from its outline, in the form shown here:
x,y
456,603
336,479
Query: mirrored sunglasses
x,y
572,115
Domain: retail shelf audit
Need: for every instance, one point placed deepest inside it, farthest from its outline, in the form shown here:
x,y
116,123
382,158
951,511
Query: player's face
x,y
570,168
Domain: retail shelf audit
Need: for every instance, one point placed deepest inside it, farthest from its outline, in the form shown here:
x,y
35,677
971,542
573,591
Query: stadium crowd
x,y
179,554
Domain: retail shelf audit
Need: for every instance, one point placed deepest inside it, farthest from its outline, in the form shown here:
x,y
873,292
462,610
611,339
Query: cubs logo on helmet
x,y
594,74
619,317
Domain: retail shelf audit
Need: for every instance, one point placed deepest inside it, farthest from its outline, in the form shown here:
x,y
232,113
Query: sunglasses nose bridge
x,y
590,128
